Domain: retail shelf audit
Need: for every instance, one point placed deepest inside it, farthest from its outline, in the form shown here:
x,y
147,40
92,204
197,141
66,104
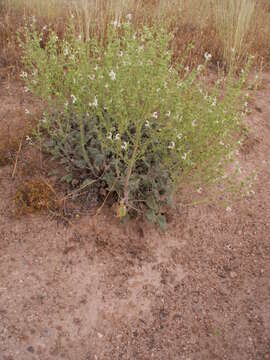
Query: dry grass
x,y
34,195
216,26
233,20
8,149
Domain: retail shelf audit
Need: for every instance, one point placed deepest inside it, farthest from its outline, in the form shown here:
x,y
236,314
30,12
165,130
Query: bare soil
x,y
97,289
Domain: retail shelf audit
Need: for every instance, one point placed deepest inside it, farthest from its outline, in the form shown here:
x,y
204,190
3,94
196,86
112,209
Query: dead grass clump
x,y
35,195
8,150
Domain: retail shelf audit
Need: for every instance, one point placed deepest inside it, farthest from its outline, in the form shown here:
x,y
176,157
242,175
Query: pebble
x,y
31,349
233,274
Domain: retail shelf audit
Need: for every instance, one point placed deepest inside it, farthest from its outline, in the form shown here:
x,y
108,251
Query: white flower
x,y
66,52
112,75
129,17
199,190
214,103
171,145
23,75
228,209
200,67
147,124
80,37
116,23
27,111
124,146
246,104
207,56
26,89
28,140
117,137
194,123
109,136
168,114
155,115
95,103
184,156
74,99
179,136
44,120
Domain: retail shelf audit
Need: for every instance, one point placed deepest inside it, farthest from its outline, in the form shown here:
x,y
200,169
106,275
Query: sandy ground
x,y
100,290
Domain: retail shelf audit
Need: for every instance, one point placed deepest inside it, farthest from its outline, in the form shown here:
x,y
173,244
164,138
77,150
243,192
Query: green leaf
x,y
170,201
99,158
151,203
151,216
67,178
162,222
134,184
109,178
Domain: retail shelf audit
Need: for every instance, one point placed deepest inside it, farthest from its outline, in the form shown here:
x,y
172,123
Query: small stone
x,y
100,335
233,274
31,349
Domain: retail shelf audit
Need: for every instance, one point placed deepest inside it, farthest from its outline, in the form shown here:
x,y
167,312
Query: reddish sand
x,y
99,290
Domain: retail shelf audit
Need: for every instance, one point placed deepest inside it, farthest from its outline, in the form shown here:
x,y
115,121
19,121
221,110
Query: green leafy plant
x,y
124,119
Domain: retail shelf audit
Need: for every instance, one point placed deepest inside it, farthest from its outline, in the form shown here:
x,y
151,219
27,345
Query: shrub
x,y
123,119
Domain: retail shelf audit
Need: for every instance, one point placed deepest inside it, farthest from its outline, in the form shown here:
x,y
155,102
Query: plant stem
x,y
85,155
131,164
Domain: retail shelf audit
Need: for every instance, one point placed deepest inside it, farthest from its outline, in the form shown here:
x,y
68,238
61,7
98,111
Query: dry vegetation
x,y
229,29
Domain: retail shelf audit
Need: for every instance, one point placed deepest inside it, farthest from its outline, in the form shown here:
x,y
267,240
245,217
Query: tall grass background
x,y
229,29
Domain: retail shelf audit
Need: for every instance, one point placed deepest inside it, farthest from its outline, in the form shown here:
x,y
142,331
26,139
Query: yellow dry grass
x,y
229,29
